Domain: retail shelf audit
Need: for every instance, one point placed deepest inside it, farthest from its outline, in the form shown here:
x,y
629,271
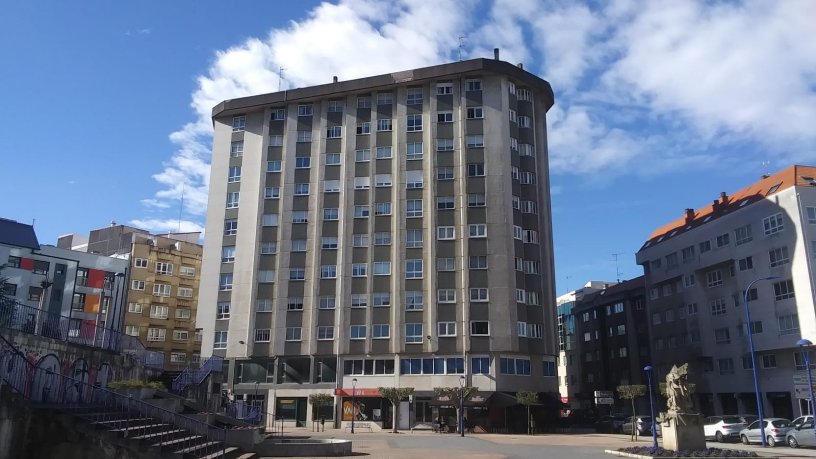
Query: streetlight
x,y
802,343
255,402
648,369
753,357
353,402
462,406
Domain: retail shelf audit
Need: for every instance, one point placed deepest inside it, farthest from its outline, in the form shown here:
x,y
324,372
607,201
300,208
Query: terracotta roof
x,y
792,176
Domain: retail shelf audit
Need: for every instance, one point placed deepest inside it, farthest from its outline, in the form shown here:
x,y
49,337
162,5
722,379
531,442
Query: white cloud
x,y
156,226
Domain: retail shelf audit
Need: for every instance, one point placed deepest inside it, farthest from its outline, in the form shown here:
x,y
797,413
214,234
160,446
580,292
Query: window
x,y
773,224
382,238
525,149
722,336
161,289
328,242
414,123
478,262
328,272
381,299
362,155
272,192
384,124
331,186
742,235
156,334
443,89
380,331
414,96
413,238
444,144
220,340
475,113
278,114
445,202
688,280
444,117
726,366
359,300
327,302
688,254
446,329
446,264
303,162
362,183
514,366
232,199
705,246
185,292
234,174
718,307
414,151
359,269
413,269
293,333
783,290
477,230
363,102
382,268
446,295
473,85
475,141
788,324
359,240
181,335
746,263
132,330
383,152
135,308
479,328
769,361
778,256
385,98
333,159
714,278
269,220
301,189
445,232
222,310
237,149
273,166
361,211
137,262
671,260
331,213
413,208
413,300
304,136
382,208
275,140
478,294
137,285
238,123
297,274
444,173
188,271
476,200
263,305
305,110
382,180
811,215
335,106
266,276
413,333
294,304
358,332
476,170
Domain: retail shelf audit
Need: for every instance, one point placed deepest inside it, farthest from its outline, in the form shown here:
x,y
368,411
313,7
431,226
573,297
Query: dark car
x,y
610,423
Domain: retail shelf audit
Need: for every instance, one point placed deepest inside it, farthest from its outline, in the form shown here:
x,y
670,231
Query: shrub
x,y
136,384
708,452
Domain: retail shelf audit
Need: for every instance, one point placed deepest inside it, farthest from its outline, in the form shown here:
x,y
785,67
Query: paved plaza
x,y
427,445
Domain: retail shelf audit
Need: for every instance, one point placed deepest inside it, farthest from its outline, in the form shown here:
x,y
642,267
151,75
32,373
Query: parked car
x,y
610,423
801,434
775,431
722,428
642,424
801,420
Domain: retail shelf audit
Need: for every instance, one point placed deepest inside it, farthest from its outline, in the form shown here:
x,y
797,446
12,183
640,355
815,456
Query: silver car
x,y
775,431
801,435
641,424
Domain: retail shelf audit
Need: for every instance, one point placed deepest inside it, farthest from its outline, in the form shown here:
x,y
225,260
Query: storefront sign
x,y
362,392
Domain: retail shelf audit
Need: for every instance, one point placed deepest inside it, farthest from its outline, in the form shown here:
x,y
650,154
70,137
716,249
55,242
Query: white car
x,y
722,428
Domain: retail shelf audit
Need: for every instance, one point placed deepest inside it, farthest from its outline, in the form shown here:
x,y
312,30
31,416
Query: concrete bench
x,y
359,425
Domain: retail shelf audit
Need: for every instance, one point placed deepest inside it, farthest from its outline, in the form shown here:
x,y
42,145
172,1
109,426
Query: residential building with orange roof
x,y
697,269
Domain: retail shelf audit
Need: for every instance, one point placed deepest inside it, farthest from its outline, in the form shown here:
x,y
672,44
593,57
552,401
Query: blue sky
x,y
659,105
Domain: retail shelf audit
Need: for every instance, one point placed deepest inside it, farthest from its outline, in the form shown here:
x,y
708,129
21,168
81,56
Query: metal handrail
x,y
101,406
196,376
21,317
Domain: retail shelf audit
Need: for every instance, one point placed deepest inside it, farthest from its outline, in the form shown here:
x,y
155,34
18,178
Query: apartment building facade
x,y
162,288
758,242
391,231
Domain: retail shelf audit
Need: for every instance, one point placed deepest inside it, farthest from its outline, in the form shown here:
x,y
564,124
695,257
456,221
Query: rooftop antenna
x,y
181,207
280,77
617,268
566,282
765,166
461,45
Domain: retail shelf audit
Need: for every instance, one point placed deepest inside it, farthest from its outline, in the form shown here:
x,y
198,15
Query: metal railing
x,y
114,411
195,376
21,317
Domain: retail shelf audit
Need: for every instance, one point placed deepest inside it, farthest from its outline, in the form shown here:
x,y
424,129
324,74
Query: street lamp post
x,y
753,357
255,402
648,369
461,406
803,344
353,402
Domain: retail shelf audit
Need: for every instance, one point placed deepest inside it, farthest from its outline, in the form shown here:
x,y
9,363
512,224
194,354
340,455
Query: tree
x,y
6,301
631,392
395,395
455,395
319,400
527,398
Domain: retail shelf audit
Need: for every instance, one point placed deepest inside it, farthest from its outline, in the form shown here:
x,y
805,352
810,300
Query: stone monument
x,y
681,429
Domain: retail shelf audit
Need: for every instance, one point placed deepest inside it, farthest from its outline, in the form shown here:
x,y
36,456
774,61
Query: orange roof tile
x,y
793,176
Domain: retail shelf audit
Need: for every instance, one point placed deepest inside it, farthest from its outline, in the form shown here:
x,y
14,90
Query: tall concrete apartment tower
x,y
758,242
390,231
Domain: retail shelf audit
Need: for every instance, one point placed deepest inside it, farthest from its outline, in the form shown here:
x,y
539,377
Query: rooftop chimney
x,y
716,206
496,53
723,198
689,215
335,78
521,66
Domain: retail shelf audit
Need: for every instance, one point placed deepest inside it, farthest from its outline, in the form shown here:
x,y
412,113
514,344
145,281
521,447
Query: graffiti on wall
x,y
49,376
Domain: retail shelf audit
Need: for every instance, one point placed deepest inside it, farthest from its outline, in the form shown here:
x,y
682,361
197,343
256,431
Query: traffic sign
x,y
603,394
605,401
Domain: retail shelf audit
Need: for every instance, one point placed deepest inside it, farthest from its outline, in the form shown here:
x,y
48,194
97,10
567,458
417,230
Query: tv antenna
x,y
461,45
280,77
181,207
617,267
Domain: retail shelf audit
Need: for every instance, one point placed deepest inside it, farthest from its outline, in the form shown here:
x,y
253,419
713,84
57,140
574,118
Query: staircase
x,y
195,376
135,423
